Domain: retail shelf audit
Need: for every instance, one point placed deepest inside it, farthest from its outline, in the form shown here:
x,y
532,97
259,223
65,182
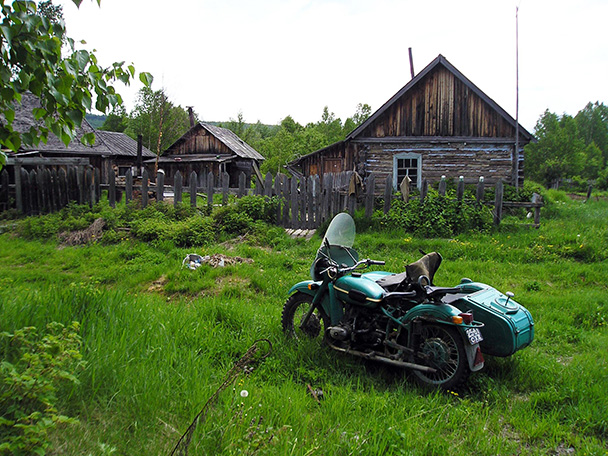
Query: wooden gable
x,y
440,102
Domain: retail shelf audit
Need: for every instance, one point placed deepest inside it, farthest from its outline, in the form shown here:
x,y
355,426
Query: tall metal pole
x,y
516,152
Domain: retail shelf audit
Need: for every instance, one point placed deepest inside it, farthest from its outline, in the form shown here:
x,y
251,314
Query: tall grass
x,y
158,341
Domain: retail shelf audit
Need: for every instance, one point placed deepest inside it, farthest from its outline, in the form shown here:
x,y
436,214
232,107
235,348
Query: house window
x,y
407,164
122,170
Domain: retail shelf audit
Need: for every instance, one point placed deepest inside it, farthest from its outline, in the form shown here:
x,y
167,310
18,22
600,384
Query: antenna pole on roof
x,y
411,62
516,151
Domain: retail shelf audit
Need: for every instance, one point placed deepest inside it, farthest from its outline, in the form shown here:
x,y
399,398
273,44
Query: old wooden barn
x,y
438,124
207,148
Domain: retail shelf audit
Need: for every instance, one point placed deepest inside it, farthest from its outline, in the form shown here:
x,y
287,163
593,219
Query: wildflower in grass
x,y
244,393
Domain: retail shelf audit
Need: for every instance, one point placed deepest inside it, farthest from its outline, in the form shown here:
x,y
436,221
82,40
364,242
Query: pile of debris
x,y
217,260
92,233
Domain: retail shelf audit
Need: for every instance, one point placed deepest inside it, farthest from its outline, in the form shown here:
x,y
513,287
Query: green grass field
x,y
158,340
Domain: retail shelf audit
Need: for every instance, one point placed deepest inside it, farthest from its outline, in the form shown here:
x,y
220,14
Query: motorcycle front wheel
x,y
294,311
442,348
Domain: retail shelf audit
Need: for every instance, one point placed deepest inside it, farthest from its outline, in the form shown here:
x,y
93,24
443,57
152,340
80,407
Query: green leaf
x,y
88,139
146,78
75,116
39,113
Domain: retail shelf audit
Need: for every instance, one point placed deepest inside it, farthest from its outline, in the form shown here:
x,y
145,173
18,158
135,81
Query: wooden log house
x,y
207,148
111,150
438,124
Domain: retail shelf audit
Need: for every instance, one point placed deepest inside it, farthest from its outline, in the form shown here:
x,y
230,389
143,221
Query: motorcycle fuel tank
x,y
508,326
360,289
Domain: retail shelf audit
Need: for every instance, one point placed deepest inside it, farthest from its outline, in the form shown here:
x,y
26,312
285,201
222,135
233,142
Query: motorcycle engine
x,y
360,327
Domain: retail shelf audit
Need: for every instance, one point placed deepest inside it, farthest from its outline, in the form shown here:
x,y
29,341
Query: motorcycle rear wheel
x,y
444,349
294,311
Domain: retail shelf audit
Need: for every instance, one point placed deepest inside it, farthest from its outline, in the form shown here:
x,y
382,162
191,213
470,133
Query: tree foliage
x,y
569,147
157,119
290,140
68,83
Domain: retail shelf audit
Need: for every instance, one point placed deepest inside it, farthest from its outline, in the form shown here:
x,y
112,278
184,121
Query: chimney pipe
x,y
191,115
140,144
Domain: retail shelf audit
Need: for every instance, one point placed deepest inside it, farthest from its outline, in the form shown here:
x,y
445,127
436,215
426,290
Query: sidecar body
x,y
508,326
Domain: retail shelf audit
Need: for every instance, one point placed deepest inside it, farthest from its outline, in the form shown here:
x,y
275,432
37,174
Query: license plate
x,y
474,336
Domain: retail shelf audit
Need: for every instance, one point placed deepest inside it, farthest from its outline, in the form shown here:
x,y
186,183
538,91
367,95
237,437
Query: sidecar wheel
x,y
442,349
294,311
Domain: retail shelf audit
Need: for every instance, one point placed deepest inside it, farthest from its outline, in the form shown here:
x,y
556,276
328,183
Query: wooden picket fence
x,y
303,203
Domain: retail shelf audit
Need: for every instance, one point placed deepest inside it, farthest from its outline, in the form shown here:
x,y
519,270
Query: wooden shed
x,y
207,148
438,124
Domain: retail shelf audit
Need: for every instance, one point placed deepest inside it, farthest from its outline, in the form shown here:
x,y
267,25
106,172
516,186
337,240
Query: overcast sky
x,y
273,58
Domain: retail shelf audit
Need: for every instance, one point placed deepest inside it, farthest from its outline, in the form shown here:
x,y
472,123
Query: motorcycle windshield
x,y
337,245
341,231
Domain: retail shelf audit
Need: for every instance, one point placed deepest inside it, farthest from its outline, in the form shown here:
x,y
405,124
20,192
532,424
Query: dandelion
x,y
244,393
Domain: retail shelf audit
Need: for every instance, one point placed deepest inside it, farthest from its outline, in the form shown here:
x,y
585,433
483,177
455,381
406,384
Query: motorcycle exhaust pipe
x,y
392,362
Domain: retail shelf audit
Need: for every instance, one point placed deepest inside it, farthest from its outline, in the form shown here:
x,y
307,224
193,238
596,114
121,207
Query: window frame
x,y
407,155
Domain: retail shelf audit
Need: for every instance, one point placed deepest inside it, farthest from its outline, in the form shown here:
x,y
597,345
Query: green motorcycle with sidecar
x,y
403,319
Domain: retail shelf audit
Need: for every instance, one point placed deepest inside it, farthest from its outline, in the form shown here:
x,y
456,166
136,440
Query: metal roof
x,y
122,144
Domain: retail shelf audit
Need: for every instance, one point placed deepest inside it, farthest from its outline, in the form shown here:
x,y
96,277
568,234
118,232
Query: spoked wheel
x,y
442,349
294,311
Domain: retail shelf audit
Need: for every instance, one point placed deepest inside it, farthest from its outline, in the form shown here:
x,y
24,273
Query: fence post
x,y
97,186
160,185
129,186
210,179
536,198
316,203
481,190
177,188
294,202
424,190
460,189
30,193
328,183
45,184
268,184
302,202
442,186
89,190
73,184
193,188
388,193
112,188
145,177
310,210
80,180
4,191
18,189
370,187
225,187
498,202
63,187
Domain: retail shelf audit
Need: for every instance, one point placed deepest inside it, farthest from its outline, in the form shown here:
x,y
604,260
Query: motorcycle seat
x,y
439,292
390,282
400,295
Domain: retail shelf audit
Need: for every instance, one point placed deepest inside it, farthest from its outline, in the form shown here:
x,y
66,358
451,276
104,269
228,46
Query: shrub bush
x,y
32,369
435,217
259,207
